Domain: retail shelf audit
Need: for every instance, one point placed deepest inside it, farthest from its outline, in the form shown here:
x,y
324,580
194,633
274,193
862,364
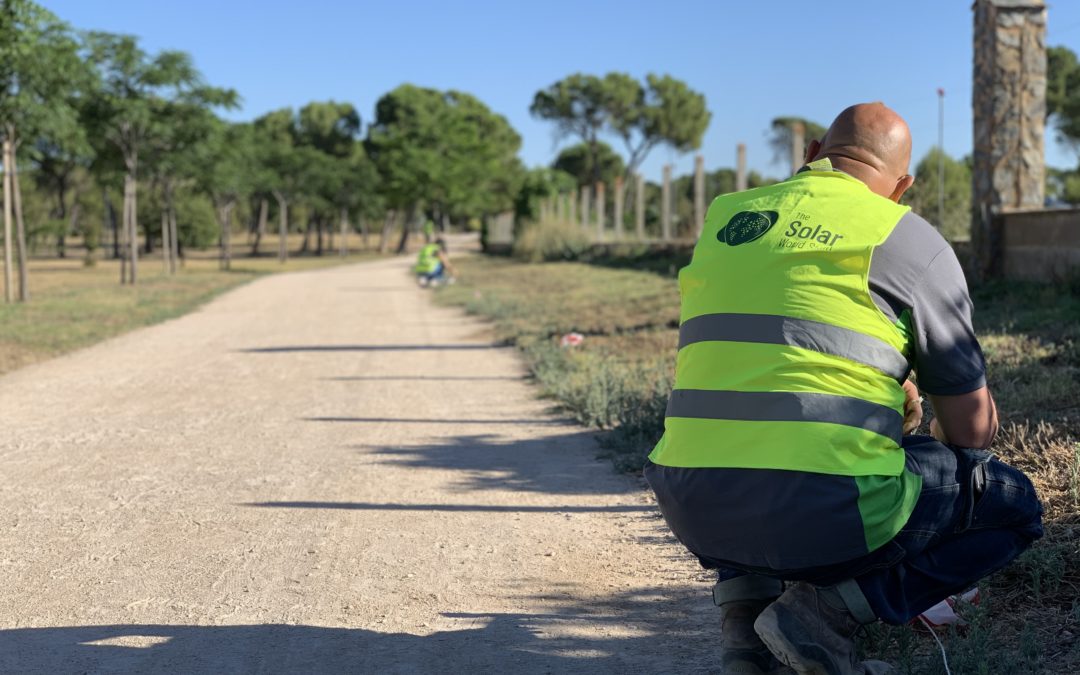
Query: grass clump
x,y
551,240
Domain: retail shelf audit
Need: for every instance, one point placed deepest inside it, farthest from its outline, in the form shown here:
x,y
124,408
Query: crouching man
x,y
784,465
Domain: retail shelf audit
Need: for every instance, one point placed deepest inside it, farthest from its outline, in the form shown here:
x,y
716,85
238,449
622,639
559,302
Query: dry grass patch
x,y
73,306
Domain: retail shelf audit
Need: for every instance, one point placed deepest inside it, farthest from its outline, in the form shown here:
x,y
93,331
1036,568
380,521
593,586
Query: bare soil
x,y
323,472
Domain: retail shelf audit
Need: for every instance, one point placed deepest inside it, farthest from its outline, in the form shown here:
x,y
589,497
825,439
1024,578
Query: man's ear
x,y
812,150
903,184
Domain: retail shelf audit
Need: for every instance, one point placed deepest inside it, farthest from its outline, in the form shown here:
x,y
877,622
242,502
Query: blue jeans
x,y
437,273
974,516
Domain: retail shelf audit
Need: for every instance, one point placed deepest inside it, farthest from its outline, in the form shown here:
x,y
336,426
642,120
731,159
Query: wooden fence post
x,y
586,197
798,146
740,168
619,208
639,206
601,208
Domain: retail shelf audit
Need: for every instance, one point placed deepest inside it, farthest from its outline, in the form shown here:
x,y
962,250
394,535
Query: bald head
x,y
872,143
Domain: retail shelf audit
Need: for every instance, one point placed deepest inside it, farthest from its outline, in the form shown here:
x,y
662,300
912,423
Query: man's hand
x,y
912,407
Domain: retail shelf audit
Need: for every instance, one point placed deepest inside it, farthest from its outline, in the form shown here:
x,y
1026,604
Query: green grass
x,y
73,306
619,378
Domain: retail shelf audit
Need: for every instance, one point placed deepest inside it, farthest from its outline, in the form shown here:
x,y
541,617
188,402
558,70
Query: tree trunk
x,y
61,213
319,235
388,225
406,230
8,264
123,247
225,216
166,249
110,222
283,227
344,244
174,239
133,224
260,228
20,229
364,232
304,245
168,219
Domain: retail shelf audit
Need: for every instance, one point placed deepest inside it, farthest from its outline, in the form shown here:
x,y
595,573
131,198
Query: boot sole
x,y
768,629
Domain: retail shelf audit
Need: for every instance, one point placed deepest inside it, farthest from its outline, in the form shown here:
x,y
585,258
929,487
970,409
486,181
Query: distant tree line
x,y
108,138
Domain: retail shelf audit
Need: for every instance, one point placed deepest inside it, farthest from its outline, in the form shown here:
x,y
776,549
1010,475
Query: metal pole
x,y
941,159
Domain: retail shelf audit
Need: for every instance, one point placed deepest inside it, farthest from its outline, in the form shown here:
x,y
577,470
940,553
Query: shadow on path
x,y
556,464
424,420
369,348
633,632
426,378
495,508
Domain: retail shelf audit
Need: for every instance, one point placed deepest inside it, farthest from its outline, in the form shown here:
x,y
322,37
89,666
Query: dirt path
x,y
322,472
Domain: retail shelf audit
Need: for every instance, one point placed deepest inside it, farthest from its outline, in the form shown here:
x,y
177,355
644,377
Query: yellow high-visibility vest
x,y
784,360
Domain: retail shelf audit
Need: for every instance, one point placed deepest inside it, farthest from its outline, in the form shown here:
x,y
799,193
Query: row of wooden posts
x,y
580,206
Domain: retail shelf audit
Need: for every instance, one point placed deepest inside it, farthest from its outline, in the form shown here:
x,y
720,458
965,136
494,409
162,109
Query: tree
x,y
576,160
662,111
177,151
577,104
923,195
227,161
279,165
133,84
330,129
665,112
780,131
1063,93
38,68
443,149
539,184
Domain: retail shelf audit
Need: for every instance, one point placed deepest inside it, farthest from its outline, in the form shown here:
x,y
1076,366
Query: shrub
x,y
551,240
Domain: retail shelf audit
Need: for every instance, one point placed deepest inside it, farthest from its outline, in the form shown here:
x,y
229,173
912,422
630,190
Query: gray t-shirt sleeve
x,y
916,270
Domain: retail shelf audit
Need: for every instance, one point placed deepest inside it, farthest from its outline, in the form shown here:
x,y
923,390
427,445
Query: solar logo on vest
x,y
746,226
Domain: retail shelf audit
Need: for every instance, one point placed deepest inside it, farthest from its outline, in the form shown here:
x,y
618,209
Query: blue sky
x,y
753,60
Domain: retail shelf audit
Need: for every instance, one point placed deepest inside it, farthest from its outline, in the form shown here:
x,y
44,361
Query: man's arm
x,y
967,420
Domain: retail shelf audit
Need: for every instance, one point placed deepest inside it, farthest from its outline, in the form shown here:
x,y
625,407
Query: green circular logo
x,y
746,226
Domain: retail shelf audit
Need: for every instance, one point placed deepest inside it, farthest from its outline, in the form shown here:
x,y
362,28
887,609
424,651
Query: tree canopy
x,y
923,195
662,110
577,160
780,131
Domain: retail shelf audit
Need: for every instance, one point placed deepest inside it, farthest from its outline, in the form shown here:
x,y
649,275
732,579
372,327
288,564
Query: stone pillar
x,y
1009,103
571,207
620,193
639,206
740,168
586,197
601,210
798,146
665,205
699,195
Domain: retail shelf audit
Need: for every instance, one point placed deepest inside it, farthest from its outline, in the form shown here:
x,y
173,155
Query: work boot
x,y
813,631
741,650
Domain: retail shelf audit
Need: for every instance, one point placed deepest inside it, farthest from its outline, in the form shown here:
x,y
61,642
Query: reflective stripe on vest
x,y
785,406
803,333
